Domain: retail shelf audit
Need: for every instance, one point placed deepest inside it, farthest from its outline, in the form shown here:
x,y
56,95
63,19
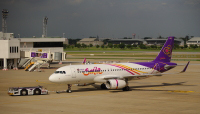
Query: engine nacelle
x,y
115,84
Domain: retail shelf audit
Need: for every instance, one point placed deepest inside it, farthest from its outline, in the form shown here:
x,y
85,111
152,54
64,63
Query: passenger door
x,y
73,71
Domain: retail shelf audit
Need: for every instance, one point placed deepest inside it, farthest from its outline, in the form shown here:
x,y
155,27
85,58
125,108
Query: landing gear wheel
x,y
68,91
69,88
127,88
103,86
37,92
24,92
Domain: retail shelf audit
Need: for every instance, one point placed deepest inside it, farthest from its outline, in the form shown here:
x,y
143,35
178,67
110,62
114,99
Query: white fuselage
x,y
95,73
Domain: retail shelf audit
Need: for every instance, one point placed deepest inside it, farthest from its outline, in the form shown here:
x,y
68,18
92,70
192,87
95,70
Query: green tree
x,y
176,46
194,46
129,46
116,46
185,46
78,45
102,46
97,46
64,46
142,46
122,45
105,41
83,45
134,45
90,45
110,45
153,46
73,41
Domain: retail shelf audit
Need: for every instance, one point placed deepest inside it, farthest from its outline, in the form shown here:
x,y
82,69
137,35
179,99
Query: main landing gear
x,y
103,86
127,88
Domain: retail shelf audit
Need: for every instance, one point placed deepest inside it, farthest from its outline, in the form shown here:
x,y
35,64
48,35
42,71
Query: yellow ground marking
x,y
180,91
175,91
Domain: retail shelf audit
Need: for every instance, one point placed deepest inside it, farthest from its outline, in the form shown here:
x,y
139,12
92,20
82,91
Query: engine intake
x,y
115,84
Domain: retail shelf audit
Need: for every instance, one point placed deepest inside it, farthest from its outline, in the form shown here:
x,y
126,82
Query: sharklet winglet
x,y
185,67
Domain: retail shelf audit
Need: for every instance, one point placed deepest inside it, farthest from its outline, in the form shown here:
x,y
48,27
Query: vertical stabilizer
x,y
166,51
84,61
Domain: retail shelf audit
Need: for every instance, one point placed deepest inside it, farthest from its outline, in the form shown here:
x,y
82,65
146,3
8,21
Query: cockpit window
x,y
60,72
56,72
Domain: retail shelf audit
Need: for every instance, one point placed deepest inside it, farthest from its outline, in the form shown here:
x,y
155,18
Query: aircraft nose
x,y
51,78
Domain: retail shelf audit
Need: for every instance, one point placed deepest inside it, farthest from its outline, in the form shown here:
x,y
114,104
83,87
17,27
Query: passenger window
x,y
61,72
64,72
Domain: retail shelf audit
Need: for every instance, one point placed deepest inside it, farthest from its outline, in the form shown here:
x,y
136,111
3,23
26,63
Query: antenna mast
x,y
44,35
4,25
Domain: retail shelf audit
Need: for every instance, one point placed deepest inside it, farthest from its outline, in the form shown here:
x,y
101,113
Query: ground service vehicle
x,y
38,90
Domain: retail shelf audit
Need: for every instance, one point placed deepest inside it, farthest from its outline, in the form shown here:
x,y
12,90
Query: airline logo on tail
x,y
168,50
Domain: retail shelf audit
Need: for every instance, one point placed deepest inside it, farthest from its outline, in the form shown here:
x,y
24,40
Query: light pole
x,y
63,35
19,35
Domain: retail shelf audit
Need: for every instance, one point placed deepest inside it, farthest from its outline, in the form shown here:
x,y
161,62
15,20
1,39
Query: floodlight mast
x,y
44,35
4,25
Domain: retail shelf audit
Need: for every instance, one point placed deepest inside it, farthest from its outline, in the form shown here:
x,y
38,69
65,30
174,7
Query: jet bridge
x,y
35,59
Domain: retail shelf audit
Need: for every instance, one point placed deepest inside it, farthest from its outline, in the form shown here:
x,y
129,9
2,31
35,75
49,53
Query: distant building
x,y
88,41
194,41
126,41
180,42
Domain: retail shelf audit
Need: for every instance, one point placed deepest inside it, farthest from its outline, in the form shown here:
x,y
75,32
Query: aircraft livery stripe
x,y
127,67
116,65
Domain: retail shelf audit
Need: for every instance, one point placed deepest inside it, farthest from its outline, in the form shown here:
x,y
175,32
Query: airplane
x,y
116,75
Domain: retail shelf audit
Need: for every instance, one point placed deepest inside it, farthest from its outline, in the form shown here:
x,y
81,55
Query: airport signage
x,y
40,55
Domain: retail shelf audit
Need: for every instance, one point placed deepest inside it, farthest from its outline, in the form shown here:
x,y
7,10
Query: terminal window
x,y
14,49
47,44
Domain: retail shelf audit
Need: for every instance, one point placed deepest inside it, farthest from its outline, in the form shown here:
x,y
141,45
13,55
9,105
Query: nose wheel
x,y
69,88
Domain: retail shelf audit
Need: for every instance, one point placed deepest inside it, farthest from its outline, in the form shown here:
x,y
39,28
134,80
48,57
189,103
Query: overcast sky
x,y
105,18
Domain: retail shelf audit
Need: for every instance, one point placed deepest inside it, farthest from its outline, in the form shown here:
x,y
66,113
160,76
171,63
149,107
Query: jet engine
x,y
115,84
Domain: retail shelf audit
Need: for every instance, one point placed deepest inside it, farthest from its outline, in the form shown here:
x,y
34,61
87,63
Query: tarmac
x,y
174,93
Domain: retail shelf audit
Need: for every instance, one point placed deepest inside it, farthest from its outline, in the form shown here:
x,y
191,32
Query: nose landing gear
x,y
69,88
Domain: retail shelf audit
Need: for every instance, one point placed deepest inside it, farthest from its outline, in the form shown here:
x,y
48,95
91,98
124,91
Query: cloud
x,y
164,4
75,2
192,2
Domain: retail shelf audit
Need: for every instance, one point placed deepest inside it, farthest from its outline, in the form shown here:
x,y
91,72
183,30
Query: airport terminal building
x,y
15,51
